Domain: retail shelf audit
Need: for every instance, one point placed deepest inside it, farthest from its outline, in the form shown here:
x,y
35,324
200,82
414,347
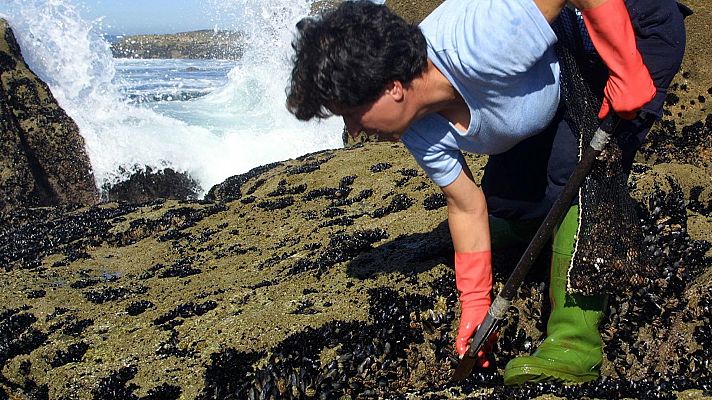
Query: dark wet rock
x,y
231,188
147,185
43,161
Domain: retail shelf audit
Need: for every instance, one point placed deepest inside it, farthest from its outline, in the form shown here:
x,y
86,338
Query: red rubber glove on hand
x,y
629,85
473,278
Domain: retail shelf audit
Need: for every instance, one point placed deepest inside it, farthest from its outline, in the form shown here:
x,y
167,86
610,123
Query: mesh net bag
x,y
608,256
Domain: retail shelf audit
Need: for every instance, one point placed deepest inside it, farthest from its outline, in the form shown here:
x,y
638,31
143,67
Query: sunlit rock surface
x,y
325,276
330,276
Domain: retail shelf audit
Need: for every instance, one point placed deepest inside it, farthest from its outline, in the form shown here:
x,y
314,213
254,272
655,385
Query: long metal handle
x,y
501,303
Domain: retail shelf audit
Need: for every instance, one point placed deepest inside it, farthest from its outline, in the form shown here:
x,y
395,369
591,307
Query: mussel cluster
x,y
29,235
17,334
405,349
399,202
231,188
74,353
668,143
116,387
434,201
170,224
407,173
365,360
342,247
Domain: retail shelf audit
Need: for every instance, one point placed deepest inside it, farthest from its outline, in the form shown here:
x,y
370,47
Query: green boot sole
x,y
535,369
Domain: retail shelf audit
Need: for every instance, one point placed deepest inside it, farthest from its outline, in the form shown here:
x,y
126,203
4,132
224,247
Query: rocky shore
x,y
330,277
308,279
42,157
204,44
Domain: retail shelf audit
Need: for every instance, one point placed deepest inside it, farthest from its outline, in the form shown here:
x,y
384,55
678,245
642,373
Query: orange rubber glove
x,y
629,85
473,278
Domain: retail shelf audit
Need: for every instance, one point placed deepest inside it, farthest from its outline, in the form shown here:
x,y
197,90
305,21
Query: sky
x,y
130,17
150,16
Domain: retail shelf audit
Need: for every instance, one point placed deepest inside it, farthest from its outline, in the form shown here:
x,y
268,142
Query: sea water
x,y
209,118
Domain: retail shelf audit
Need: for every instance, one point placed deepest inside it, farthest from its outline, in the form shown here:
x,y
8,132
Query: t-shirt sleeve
x,y
436,154
497,38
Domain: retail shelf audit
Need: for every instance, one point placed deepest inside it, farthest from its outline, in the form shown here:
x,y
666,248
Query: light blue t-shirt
x,y
499,55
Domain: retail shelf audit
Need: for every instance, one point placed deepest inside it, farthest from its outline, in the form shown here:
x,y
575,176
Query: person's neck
x,y
434,93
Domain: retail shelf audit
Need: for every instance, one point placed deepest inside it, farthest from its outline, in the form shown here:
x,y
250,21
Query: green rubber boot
x,y
572,351
506,233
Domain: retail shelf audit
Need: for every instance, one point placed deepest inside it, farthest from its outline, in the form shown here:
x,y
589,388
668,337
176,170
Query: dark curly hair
x,y
348,55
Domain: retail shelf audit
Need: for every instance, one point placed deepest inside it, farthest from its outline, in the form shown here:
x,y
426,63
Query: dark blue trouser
x,y
523,182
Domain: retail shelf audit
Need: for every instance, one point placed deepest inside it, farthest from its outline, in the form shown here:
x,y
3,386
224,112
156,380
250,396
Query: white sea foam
x,y
234,128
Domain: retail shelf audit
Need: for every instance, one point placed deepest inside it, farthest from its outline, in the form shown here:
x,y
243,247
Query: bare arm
x,y
551,8
469,228
467,214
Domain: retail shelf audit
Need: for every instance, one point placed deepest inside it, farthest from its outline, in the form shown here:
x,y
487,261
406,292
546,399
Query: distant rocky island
x,y
203,44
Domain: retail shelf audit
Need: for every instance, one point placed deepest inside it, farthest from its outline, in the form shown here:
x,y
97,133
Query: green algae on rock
x,y
233,299
328,276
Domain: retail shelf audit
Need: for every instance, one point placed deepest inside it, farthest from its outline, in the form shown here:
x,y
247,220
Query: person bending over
x,y
481,76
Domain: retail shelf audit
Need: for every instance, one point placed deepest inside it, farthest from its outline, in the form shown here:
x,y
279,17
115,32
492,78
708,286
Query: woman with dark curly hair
x,y
482,76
